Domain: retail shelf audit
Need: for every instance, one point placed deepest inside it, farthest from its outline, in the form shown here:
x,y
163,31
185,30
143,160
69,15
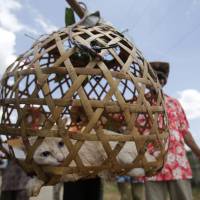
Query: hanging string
x,y
92,50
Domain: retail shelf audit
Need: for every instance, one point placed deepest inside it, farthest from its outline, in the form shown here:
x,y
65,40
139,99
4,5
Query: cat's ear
x,y
16,143
32,140
17,146
64,121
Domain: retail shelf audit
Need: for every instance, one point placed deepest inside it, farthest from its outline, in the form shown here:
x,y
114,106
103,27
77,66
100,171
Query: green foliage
x,y
69,17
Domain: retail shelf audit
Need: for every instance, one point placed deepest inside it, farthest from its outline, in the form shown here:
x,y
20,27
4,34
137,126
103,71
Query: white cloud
x,y
45,24
10,25
7,50
7,18
190,100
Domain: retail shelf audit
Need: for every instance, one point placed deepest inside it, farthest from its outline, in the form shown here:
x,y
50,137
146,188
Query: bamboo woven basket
x,y
41,88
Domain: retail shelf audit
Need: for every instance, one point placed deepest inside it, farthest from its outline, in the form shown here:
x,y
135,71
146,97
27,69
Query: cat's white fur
x,y
52,151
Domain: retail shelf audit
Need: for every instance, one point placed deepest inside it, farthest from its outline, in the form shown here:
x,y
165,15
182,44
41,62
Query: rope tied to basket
x,y
88,20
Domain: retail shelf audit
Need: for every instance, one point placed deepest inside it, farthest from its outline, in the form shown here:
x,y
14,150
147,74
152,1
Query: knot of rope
x,y
92,50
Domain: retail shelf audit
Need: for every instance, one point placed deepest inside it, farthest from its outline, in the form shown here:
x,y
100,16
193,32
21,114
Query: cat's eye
x,y
61,144
45,153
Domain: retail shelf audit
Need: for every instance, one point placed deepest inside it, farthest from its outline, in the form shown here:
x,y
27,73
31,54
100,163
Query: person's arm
x,y
189,140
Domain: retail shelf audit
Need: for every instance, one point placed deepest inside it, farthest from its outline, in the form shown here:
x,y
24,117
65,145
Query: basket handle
x,y
76,7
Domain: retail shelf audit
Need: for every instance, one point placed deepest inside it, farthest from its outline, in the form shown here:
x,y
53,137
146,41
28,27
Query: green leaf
x,y
69,17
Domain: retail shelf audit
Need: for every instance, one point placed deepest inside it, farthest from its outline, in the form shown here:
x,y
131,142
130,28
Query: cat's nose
x,y
60,158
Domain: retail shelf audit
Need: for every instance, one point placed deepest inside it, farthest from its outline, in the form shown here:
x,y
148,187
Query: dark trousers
x,y
89,189
14,195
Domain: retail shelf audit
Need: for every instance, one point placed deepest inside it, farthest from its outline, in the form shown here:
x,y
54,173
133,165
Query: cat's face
x,y
52,151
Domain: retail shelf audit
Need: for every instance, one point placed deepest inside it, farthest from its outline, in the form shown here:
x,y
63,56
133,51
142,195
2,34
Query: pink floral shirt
x,y
176,165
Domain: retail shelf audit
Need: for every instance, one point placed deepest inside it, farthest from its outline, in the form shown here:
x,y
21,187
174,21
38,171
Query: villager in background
x,y
130,188
14,181
176,173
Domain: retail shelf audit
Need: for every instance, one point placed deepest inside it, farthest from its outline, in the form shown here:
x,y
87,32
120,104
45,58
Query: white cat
x,y
52,151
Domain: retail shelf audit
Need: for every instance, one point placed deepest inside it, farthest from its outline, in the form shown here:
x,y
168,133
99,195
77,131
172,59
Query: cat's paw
x,y
33,186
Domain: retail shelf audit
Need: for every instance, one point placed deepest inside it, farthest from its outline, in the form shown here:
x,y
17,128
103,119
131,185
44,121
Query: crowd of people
x,y
173,182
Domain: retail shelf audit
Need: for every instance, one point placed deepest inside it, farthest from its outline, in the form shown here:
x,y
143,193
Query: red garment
x,y
177,165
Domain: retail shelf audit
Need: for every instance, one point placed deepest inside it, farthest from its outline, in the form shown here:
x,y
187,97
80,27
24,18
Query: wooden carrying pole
x,y
76,7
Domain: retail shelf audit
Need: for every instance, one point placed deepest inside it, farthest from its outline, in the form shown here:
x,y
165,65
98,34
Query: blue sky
x,y
163,30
